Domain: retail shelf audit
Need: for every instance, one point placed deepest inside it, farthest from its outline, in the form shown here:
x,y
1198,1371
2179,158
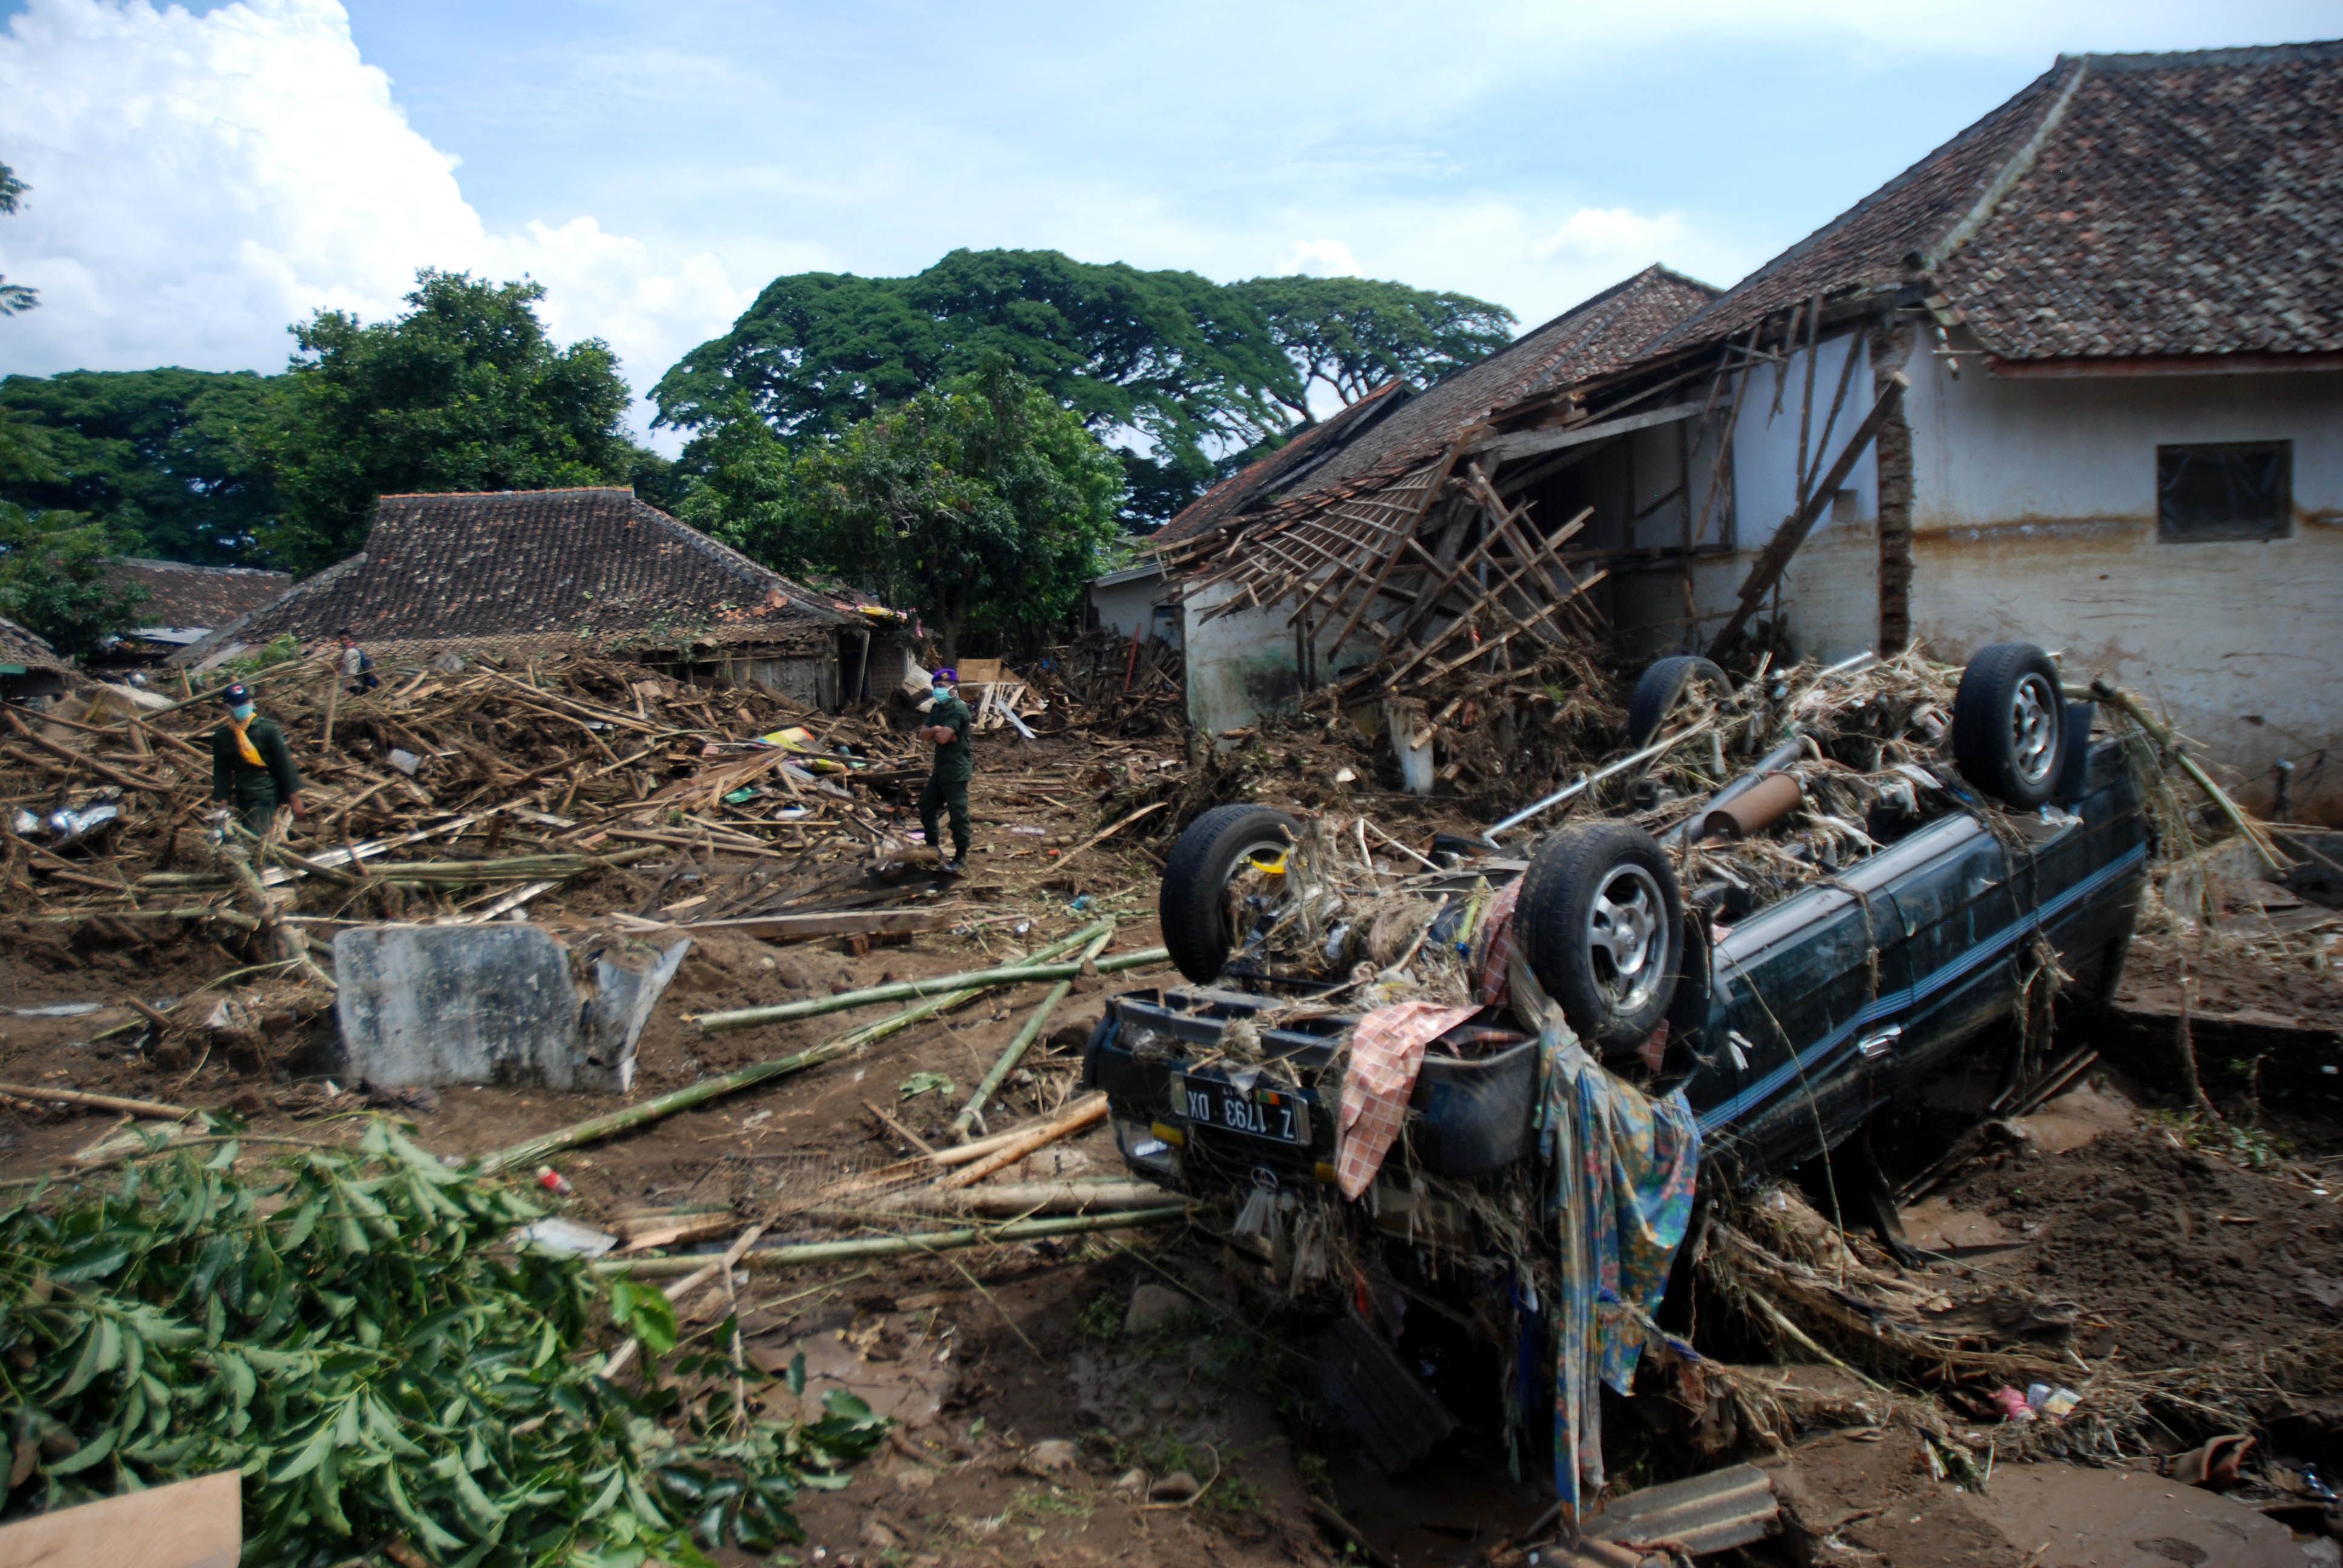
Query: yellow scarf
x,y
244,742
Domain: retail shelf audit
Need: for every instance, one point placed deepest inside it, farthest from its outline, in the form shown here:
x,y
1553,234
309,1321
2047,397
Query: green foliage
x,y
14,296
1100,1319
282,649
53,579
348,1331
463,392
1172,356
1354,334
168,459
984,505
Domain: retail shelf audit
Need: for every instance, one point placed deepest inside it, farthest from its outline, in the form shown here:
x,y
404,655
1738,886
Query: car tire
x,y
2010,724
1192,904
1661,687
1604,924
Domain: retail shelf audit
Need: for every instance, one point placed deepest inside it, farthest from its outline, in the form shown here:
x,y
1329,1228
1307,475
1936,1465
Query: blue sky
x,y
202,176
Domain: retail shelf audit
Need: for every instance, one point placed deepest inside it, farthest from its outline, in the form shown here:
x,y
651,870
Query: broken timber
x,y
1770,565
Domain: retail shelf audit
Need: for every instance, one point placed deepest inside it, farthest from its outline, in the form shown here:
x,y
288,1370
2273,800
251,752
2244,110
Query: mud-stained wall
x,y
1244,664
2035,519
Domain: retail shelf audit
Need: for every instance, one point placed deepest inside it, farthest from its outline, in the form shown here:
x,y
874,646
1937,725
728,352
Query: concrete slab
x,y
504,1004
2075,1517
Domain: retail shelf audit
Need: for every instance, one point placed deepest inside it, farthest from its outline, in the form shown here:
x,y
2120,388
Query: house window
x,y
2232,490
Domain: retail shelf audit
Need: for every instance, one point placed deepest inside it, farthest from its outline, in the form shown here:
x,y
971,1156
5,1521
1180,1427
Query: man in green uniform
x,y
947,729
251,764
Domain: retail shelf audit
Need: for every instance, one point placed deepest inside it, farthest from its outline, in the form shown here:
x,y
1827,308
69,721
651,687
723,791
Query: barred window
x,y
2230,490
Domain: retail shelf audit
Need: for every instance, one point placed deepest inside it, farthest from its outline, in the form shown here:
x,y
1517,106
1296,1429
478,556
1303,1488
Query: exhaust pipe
x,y
1768,765
1753,810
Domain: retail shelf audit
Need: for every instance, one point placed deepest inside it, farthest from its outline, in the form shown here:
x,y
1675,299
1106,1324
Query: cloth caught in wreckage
x,y
1386,1053
1625,1166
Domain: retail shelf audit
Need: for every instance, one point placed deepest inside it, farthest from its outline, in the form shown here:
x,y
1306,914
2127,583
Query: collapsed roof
x,y
546,566
1389,433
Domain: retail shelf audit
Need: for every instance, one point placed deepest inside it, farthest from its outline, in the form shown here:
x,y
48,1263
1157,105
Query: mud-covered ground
x,y
1045,1421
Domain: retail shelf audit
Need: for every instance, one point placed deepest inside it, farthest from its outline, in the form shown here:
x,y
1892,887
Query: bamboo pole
x,y
1066,1124
596,1128
1020,974
973,1110
1018,1199
901,1246
114,1103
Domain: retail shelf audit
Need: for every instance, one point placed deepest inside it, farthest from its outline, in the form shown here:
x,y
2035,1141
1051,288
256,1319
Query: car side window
x,y
2224,490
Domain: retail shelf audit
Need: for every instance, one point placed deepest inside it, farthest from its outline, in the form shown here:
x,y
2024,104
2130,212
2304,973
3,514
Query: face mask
x,y
241,712
942,692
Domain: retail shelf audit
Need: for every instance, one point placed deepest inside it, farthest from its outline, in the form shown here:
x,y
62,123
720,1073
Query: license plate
x,y
1277,1114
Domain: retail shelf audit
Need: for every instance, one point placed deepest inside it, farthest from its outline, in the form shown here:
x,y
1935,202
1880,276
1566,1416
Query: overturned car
x,y
1806,906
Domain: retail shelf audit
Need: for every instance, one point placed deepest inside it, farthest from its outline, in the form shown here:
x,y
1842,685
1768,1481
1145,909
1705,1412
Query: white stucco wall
x,y
1830,592
1127,607
2035,519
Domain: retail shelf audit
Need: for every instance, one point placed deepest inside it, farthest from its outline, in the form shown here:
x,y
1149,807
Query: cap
x,y
235,696
946,673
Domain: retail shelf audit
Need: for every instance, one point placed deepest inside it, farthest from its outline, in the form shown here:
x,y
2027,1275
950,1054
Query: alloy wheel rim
x,y
1627,937
2033,729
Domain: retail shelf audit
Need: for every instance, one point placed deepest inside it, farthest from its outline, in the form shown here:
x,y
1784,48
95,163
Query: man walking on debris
x,y
253,766
947,731
358,669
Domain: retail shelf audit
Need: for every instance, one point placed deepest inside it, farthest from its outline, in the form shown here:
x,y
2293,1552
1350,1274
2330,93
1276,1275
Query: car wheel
x,y
1661,687
2010,724
1604,926
1193,904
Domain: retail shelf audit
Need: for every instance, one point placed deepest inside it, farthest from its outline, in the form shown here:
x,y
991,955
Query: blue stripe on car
x,y
1890,1003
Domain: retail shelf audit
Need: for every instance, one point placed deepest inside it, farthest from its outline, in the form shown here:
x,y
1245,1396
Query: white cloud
x,y
198,183
1321,258
1613,237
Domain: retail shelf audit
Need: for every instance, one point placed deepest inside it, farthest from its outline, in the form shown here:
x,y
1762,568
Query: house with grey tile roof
x,y
2075,376
592,570
2115,304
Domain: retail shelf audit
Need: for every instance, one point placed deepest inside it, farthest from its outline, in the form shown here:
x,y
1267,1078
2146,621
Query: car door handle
x,y
1878,1042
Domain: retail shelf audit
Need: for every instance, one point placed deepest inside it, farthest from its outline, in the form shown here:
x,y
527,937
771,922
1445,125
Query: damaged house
x,y
1271,570
518,571
2075,375
184,603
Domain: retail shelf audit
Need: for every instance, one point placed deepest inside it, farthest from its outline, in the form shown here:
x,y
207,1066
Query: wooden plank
x,y
1531,443
1768,567
1431,481
195,1523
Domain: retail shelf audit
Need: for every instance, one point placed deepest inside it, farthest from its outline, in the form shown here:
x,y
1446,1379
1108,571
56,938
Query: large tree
x,y
465,391
1170,360
55,578
983,504
167,459
1350,335
14,296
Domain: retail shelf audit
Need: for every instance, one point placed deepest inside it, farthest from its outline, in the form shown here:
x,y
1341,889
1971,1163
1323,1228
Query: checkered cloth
x,y
1494,945
1386,1053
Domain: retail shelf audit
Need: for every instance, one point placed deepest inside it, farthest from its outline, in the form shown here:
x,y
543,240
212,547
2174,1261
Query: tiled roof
x,y
1232,495
185,597
2185,204
2118,204
1598,335
19,646
535,566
